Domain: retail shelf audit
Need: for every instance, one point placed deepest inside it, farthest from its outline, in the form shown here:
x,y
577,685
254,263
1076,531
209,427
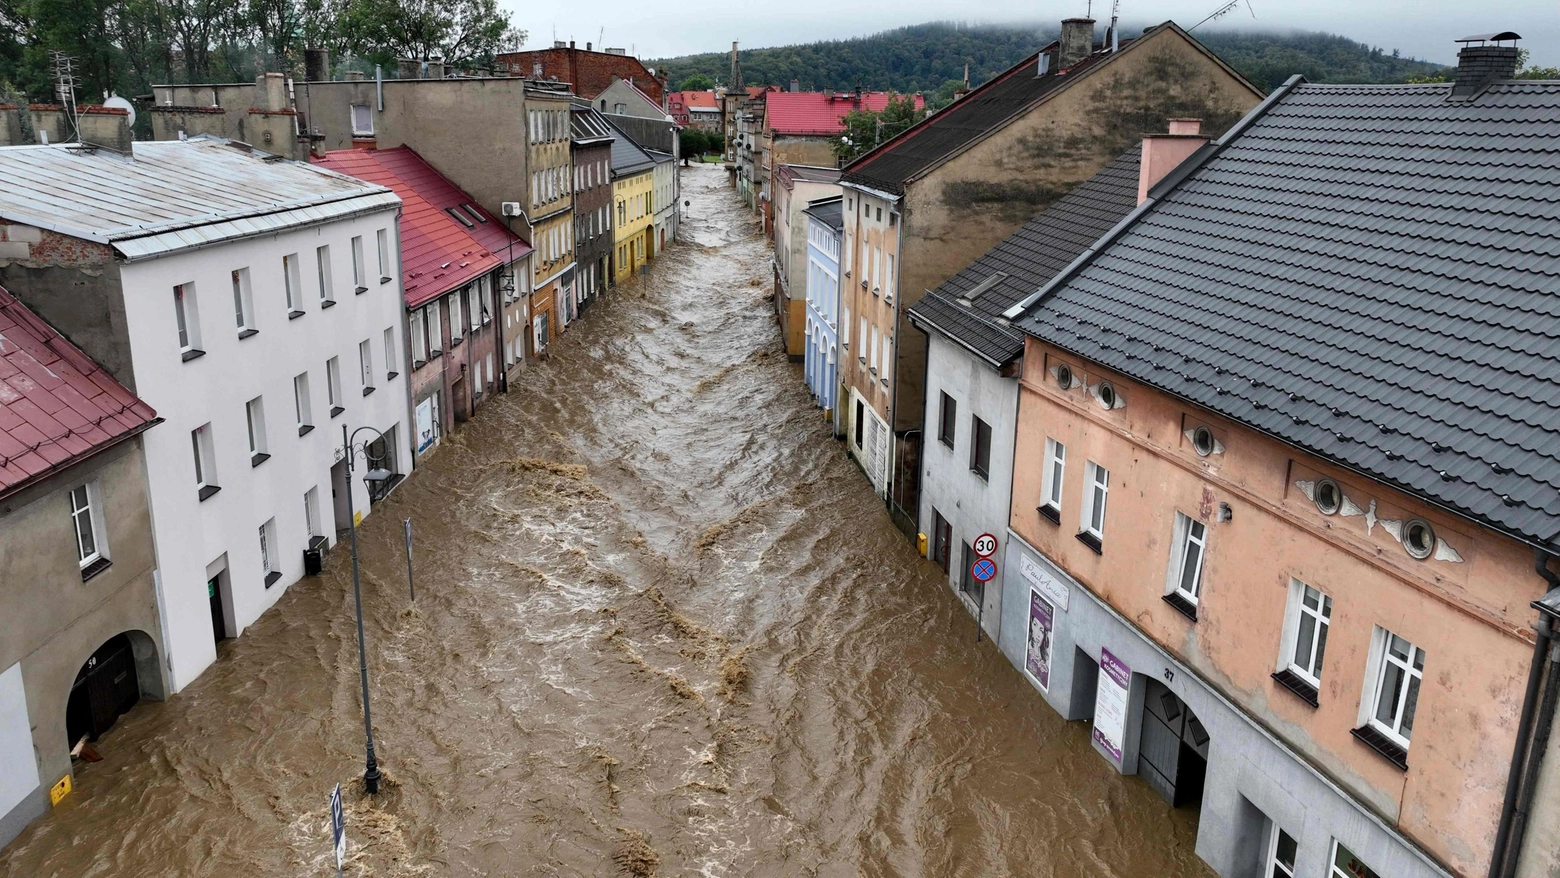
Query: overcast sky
x,y
1423,28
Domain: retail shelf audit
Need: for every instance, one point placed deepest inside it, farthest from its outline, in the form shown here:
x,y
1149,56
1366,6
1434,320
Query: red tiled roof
x,y
57,406
696,100
438,253
811,112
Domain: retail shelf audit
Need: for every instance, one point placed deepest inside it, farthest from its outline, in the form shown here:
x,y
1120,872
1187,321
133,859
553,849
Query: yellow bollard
x,y
920,544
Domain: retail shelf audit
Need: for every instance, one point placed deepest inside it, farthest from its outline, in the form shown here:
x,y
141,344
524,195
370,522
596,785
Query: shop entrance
x,y
1173,747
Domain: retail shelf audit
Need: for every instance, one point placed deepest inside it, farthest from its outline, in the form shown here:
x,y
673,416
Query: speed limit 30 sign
x,y
985,546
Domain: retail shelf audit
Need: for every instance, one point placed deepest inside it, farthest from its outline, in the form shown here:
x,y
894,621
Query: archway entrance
x,y
1173,747
105,688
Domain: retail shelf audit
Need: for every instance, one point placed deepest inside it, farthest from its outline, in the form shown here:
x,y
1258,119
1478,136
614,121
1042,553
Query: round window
x,y
1418,537
1328,496
1202,441
1064,376
1107,395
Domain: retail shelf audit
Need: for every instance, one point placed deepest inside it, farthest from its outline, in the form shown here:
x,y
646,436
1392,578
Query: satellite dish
x,y
120,103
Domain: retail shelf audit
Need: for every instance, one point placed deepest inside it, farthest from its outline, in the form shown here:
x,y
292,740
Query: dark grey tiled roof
x,y
627,157
1371,273
828,212
1029,258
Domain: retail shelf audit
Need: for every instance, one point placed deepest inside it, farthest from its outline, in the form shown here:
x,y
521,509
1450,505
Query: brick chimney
x,y
1077,41
1485,63
1162,153
49,124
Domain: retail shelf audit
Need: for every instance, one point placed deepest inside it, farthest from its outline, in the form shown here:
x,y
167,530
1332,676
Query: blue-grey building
x,y
825,226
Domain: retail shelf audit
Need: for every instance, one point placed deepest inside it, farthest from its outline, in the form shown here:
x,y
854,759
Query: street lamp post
x,y
371,773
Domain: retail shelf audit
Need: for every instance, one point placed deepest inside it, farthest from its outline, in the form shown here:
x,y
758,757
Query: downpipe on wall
x,y
1533,728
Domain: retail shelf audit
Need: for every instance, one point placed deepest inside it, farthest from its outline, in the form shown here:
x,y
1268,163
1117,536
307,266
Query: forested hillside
x,y
930,58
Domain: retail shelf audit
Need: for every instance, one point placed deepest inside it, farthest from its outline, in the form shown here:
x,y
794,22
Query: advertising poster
x,y
1110,704
424,424
1038,659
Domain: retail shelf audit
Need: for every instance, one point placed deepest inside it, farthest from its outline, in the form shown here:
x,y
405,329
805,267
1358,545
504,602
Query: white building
x,y
973,362
665,194
820,366
256,305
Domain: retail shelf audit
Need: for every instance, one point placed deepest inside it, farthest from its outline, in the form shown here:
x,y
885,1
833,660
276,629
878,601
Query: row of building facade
x,y
1232,435
207,337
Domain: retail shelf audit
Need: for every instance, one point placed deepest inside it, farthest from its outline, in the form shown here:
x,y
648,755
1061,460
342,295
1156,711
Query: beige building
x,y
932,200
795,186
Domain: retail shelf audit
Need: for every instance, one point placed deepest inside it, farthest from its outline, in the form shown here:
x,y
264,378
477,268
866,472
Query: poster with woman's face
x,y
1037,659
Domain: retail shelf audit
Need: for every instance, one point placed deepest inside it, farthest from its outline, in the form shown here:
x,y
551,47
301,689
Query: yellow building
x,y
550,210
633,206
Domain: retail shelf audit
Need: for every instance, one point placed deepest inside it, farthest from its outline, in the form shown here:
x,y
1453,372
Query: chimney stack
x,y
1163,153
316,65
1485,63
104,127
796,86
1077,41
10,125
587,45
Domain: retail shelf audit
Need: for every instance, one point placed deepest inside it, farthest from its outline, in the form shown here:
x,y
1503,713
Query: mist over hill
x,y
930,58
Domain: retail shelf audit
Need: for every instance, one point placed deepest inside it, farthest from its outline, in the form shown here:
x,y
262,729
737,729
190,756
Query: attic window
x,y
1418,538
1329,497
1064,377
982,288
475,214
1202,441
1106,393
460,217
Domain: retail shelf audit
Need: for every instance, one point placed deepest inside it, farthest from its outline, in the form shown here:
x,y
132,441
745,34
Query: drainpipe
x,y
1528,756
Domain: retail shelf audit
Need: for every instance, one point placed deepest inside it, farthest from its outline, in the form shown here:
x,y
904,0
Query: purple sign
x,y
1038,656
1110,704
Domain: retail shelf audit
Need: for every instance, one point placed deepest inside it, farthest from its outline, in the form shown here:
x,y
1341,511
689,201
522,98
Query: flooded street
x,y
662,627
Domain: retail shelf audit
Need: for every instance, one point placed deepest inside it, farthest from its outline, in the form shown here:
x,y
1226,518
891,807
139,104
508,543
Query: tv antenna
x,y
1222,11
65,87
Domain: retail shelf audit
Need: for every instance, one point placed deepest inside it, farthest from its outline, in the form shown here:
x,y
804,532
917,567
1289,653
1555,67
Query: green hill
x,y
930,58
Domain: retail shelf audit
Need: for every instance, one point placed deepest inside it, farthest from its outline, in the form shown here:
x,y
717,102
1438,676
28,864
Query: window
x,y
457,325
1202,441
861,420
861,349
1281,856
948,422
391,356
366,365
291,278
469,298
362,121
254,414
980,449
1051,479
1418,538
435,330
185,317
1346,865
1400,667
1096,482
359,278
1186,563
419,339
942,540
873,351
301,403
384,255
845,342
1305,642
888,356
86,515
333,385
205,463
322,260
243,303
268,559
311,514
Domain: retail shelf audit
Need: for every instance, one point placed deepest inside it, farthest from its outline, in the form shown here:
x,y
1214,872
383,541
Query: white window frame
x,y
333,385
435,323
203,454
243,300
186,318
1332,863
1054,475
1189,532
311,513
391,357
254,421
327,286
1093,484
302,405
1380,661
383,236
1295,614
419,332
359,267
268,555
1272,867
362,120
366,364
292,280
86,501
457,323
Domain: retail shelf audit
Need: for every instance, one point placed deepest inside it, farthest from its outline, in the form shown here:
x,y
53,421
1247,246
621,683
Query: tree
x,y
697,82
461,32
693,143
866,129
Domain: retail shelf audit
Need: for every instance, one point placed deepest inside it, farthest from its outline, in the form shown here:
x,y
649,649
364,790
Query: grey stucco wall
x,y
1253,782
66,619
84,303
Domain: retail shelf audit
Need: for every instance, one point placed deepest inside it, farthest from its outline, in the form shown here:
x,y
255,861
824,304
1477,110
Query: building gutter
x,y
1527,756
1160,190
56,469
886,196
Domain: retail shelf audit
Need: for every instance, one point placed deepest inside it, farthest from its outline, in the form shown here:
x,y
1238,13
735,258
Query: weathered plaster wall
x,y
1471,616
75,286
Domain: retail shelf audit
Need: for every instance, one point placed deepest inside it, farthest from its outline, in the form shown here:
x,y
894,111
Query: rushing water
x,y
662,627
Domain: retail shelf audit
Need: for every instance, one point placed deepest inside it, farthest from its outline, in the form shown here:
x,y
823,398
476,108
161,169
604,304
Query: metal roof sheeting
x,y
1368,273
173,195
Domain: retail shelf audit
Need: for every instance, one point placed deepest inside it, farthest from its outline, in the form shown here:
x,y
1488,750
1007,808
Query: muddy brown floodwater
x,y
662,627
